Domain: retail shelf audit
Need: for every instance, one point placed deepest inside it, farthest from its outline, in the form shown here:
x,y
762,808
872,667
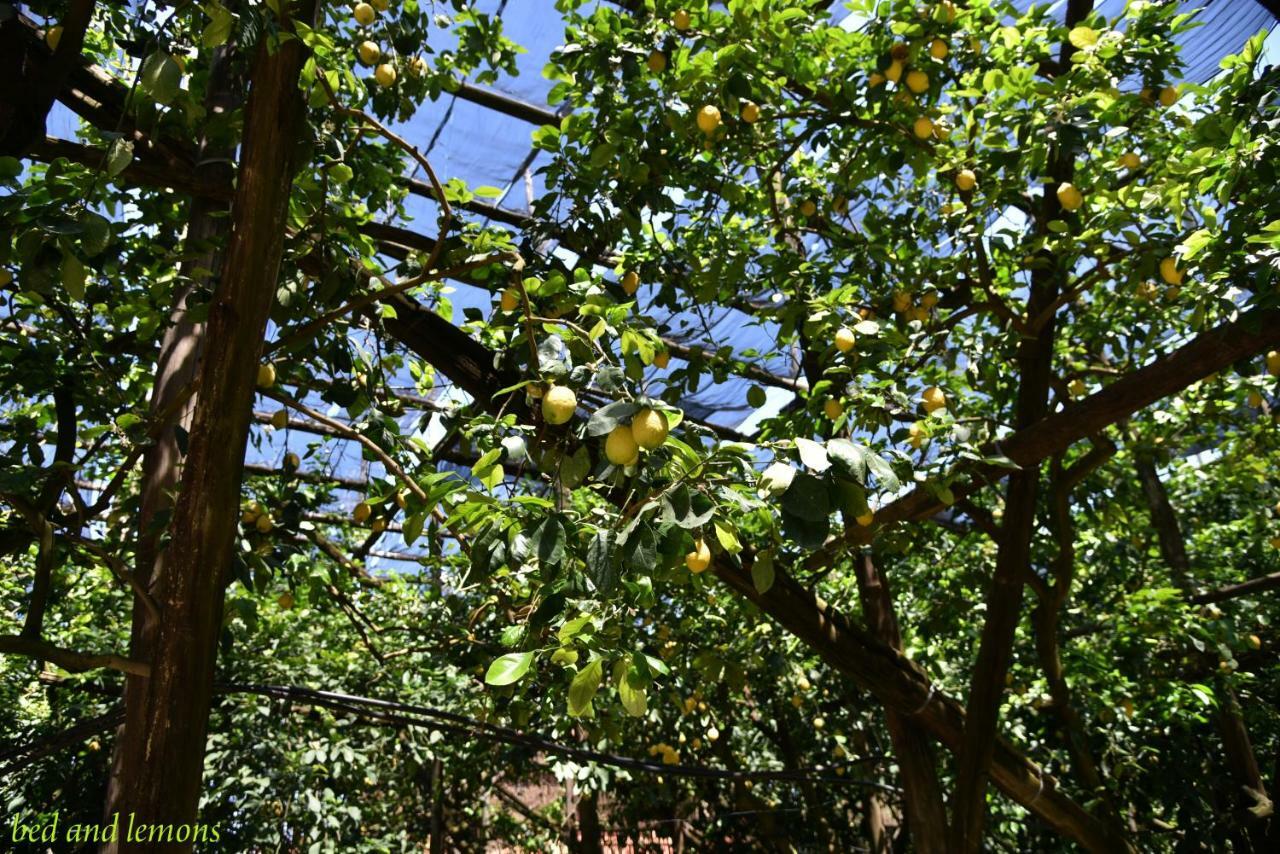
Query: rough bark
x,y
912,746
900,684
176,365
589,834
1004,596
162,751
1046,620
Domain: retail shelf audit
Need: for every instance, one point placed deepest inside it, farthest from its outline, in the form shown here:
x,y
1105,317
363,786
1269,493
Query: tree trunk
x,y
589,841
912,746
176,365
162,750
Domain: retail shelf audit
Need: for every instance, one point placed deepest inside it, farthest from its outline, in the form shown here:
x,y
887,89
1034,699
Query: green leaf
x,y
807,498
885,477
849,458
728,537
73,276
219,28
413,527
813,455
575,467
119,156
609,416
1083,37
160,77
776,479
631,684
601,564
547,541
509,668
583,689
762,572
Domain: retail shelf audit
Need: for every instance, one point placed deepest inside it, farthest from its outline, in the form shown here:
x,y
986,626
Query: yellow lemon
x,y
1254,399
361,513
510,299
1077,388
832,409
844,339
369,53
385,74
265,524
901,301
1130,160
53,36
559,404
966,180
657,61
875,79
681,20
938,49
933,399
750,112
620,447
929,300
630,282
280,419
918,81
381,5
808,208
266,375
292,461
661,359
364,14
1273,368
1169,96
285,600
649,428
916,435
1069,197
708,119
700,558
865,519
894,71
1169,271
923,127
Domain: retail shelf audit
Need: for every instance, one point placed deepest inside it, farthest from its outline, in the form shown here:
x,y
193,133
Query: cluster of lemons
x,y
370,52
648,430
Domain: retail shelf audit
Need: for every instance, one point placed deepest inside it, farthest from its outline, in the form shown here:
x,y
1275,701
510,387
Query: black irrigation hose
x,y
406,714
411,715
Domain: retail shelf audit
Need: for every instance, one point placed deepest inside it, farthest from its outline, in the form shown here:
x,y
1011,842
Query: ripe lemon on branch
x,y
559,404
700,558
649,428
621,448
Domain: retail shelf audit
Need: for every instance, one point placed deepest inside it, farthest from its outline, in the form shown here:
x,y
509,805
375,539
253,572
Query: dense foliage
x,y
897,206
